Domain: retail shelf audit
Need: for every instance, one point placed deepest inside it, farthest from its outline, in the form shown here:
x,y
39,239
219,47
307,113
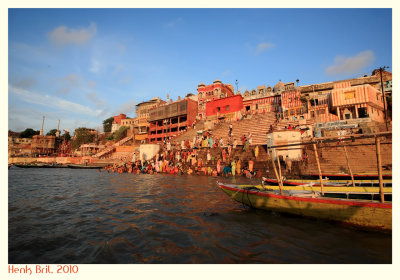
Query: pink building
x,y
357,102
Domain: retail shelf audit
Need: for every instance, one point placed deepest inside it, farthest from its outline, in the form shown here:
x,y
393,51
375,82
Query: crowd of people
x,y
193,157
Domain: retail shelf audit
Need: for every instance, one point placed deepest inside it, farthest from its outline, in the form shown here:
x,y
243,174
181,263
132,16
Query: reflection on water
x,y
83,216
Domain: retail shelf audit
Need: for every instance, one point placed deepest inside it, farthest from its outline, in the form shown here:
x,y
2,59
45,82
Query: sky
x,y
82,66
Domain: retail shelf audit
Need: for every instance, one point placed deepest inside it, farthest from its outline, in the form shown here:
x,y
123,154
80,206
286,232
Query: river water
x,y
85,216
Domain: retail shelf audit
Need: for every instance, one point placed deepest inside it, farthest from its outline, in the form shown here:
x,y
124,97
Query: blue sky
x,y
84,65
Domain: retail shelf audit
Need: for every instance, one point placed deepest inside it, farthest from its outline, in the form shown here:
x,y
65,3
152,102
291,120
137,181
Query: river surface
x,y
85,216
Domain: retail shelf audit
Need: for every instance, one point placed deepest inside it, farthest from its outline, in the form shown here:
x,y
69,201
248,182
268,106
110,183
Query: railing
x,y
111,148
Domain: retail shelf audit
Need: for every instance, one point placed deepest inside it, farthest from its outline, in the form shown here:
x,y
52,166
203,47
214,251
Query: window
x,y
227,107
349,95
218,109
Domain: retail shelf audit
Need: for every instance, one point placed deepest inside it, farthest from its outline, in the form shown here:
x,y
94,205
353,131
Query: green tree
x,y
28,133
107,124
52,132
67,136
120,133
83,135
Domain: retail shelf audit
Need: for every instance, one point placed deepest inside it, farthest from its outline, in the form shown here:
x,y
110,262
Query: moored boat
x,y
81,166
41,165
363,213
327,182
360,176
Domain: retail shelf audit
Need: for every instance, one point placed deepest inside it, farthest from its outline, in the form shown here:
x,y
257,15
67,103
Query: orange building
x,y
167,120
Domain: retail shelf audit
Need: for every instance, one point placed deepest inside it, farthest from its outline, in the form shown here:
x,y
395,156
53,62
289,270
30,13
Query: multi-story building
x,y
116,124
169,119
43,145
19,146
142,112
211,92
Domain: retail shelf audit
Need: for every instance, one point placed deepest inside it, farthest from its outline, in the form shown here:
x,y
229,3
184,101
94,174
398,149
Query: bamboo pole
x,y
379,163
279,166
276,173
319,169
348,166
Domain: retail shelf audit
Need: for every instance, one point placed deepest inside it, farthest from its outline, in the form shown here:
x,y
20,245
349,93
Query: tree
x,y
52,132
83,135
28,133
107,124
67,136
120,133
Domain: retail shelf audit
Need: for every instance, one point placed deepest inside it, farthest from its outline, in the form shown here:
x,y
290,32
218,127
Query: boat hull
x,y
374,215
332,183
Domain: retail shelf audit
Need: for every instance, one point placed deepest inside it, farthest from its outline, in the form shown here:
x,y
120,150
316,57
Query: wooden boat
x,y
41,165
363,213
81,166
327,182
360,176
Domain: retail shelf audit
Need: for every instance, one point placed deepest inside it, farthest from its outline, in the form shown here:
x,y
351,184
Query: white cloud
x,y
69,82
128,108
53,102
63,35
351,65
173,23
94,66
127,79
117,69
227,73
264,46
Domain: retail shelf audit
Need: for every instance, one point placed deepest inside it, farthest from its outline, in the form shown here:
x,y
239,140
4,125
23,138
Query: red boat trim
x,y
314,200
285,182
354,175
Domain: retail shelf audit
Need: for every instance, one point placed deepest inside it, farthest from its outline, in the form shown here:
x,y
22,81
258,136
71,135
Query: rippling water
x,y
83,216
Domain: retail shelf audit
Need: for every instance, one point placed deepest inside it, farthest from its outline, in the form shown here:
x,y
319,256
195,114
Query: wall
x,y
235,104
148,151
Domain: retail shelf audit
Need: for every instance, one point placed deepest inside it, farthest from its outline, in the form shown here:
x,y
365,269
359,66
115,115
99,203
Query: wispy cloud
x,y
227,73
128,107
125,80
264,46
173,23
63,35
96,100
68,83
26,83
52,102
351,65
94,65
117,69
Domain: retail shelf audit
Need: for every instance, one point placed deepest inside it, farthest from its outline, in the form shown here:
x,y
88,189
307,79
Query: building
x,y
90,149
19,146
43,145
211,92
169,119
263,104
225,108
363,101
142,112
131,123
116,124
